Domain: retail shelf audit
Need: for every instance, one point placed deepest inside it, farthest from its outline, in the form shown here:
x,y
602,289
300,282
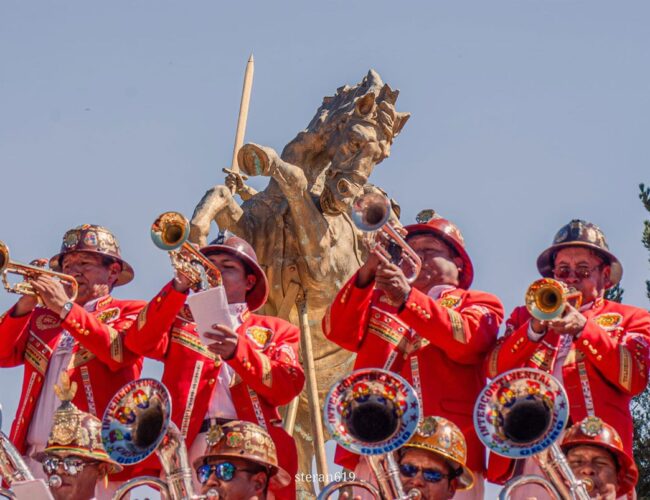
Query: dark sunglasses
x,y
224,471
580,272
430,475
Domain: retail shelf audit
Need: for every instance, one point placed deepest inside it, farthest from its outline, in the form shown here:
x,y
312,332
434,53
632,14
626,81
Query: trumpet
x,y
521,414
373,412
546,298
371,212
169,232
8,266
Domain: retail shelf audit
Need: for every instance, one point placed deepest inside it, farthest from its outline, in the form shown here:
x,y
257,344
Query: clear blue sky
x,y
525,114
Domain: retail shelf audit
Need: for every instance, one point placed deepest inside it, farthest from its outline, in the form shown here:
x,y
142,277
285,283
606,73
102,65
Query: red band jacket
x,y
437,345
100,364
606,366
267,371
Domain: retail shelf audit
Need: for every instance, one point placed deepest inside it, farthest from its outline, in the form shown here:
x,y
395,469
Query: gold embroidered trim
x,y
457,327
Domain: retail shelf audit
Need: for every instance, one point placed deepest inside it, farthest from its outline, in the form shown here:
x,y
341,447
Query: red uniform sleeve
x,y
151,333
104,341
346,319
14,333
622,359
466,333
275,374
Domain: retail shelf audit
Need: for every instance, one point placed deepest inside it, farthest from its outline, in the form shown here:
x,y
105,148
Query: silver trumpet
x,y
371,213
137,422
521,414
370,412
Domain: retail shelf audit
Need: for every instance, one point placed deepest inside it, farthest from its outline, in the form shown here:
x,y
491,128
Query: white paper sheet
x,y
210,307
31,490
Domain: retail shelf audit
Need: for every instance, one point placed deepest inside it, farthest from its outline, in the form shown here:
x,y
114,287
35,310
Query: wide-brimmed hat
x,y
248,441
240,248
75,432
592,431
429,222
444,438
579,233
93,239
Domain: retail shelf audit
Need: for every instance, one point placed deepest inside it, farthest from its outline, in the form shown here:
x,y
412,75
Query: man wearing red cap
x,y
244,374
435,332
598,350
596,456
83,337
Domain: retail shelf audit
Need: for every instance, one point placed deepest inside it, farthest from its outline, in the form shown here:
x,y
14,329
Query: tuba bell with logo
x,y
372,412
521,414
137,422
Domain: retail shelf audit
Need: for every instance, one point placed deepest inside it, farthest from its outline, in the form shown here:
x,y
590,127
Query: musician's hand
x,y
181,283
538,326
25,305
572,322
367,272
608,493
225,341
390,278
51,292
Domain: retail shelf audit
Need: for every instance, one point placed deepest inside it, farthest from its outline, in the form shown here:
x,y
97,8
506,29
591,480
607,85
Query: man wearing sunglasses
x,y
598,350
244,373
75,461
241,464
433,461
435,332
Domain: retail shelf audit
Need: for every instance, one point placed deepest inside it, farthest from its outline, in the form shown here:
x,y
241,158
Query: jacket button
x,y
211,381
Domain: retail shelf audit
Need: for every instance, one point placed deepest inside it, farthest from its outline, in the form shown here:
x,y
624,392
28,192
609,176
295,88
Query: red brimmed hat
x,y
93,239
592,431
579,233
234,245
429,222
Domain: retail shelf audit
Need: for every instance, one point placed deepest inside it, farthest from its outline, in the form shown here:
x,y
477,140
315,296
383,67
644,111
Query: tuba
x,y
521,414
546,298
370,212
12,466
169,232
137,422
372,412
8,266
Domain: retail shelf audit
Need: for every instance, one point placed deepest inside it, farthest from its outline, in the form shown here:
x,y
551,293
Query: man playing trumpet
x,y
598,350
435,332
244,373
83,337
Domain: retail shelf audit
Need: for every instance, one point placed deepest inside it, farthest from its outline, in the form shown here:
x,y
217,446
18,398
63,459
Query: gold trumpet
x,y
371,212
170,232
546,298
28,271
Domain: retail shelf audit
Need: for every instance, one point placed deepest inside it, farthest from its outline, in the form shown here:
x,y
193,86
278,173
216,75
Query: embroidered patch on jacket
x,y
191,342
386,326
142,317
609,321
104,302
625,370
450,301
457,326
108,315
81,357
259,335
47,322
36,358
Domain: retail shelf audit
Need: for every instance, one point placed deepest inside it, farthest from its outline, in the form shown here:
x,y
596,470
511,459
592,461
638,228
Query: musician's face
x,y
440,266
244,484
425,460
94,278
587,272
596,464
236,281
78,486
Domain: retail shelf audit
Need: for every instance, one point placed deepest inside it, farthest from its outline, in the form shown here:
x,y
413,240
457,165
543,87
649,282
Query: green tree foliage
x,y
641,404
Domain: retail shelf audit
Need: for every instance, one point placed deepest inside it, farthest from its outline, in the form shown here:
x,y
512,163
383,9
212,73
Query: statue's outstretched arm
x,y
217,204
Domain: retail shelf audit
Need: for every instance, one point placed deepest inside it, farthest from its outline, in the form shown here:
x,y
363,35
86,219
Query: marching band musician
x,y
74,460
599,351
241,465
435,330
433,461
595,454
83,338
244,374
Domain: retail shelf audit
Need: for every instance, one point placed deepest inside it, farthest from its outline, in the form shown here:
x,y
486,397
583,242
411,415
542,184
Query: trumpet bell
x,y
521,412
170,230
370,211
546,299
136,421
372,412
4,256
